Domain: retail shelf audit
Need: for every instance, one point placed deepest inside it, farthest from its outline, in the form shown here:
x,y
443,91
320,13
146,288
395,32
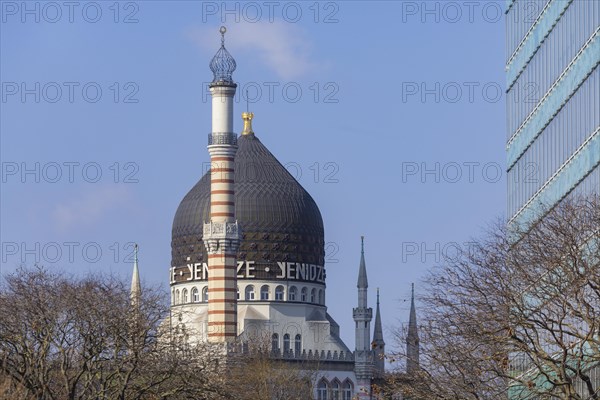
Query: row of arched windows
x,y
316,296
335,390
193,296
303,296
286,343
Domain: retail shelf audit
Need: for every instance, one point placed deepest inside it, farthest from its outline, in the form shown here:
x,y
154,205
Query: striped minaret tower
x,y
363,356
221,235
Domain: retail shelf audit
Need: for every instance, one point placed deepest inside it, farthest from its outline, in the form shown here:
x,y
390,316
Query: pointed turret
x,y
378,333
378,343
362,283
363,356
136,287
412,339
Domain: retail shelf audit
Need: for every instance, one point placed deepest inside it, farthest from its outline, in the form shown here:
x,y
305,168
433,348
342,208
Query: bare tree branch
x,y
517,310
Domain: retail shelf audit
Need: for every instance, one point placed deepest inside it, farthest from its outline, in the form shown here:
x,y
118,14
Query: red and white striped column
x,y
221,235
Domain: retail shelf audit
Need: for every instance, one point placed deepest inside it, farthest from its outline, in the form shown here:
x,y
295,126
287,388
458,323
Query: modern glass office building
x,y
553,103
552,114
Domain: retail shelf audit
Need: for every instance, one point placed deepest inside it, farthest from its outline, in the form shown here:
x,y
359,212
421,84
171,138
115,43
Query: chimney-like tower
x,y
221,235
412,339
363,365
378,344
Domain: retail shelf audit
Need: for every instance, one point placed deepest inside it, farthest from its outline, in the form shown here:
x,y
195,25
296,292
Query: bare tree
x,y
515,314
260,373
68,338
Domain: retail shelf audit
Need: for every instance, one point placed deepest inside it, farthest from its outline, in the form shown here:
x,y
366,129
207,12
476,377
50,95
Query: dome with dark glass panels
x,y
280,221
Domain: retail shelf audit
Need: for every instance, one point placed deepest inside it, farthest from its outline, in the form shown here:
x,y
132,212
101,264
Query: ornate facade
x,y
248,258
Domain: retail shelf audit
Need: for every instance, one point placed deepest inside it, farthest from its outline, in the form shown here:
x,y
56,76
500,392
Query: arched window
x,y
184,296
286,343
335,390
321,297
195,295
264,292
347,390
238,292
303,294
293,293
205,294
279,293
313,296
298,345
275,343
322,390
177,296
249,292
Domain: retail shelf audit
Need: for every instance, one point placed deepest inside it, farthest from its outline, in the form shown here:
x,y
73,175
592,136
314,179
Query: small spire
x,y
378,342
362,283
412,339
247,102
413,313
247,117
136,288
378,333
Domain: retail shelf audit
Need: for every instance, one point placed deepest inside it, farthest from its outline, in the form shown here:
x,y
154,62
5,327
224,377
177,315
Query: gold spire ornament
x,y
247,117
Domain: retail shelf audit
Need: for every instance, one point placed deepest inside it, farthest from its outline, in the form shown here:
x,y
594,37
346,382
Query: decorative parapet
x,y
314,355
362,313
221,236
310,355
225,138
221,230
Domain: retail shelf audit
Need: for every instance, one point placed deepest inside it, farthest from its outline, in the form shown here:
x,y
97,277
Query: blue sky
x,y
389,91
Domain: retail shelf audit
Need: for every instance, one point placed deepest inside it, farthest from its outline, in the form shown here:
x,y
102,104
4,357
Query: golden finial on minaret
x,y
247,117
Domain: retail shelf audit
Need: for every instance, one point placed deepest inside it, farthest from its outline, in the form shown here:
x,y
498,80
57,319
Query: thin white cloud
x,y
281,46
90,207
